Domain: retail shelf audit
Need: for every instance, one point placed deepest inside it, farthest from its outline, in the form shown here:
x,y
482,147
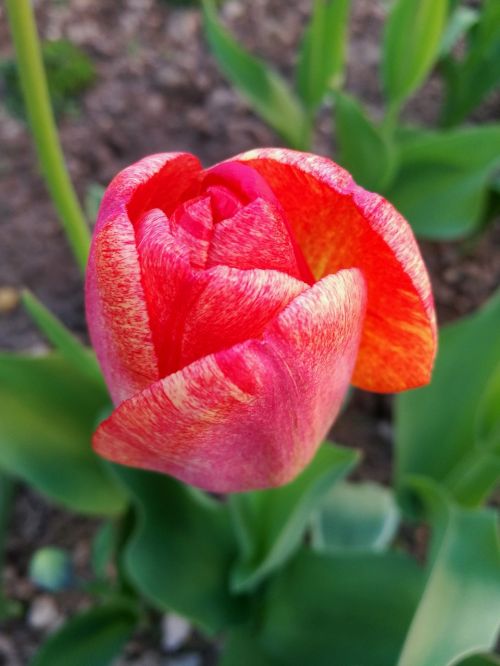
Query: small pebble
x,y
175,631
43,613
9,299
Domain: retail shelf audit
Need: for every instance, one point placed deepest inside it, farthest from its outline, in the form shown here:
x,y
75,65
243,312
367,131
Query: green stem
x,y
41,118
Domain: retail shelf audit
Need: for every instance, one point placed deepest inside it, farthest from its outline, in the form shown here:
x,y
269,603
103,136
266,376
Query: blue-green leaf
x,y
180,553
462,592
271,523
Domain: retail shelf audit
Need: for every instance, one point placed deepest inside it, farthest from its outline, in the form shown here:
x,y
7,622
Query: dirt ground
x,y
158,89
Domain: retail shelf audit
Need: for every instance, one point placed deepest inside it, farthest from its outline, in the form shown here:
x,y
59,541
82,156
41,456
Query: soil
x,y
159,89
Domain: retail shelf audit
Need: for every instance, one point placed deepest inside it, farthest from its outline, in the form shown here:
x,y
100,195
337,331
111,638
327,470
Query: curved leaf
x,y
180,553
443,179
48,411
92,638
459,612
272,523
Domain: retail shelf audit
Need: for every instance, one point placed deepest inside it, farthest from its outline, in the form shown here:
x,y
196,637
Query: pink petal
x,y
255,237
251,416
115,303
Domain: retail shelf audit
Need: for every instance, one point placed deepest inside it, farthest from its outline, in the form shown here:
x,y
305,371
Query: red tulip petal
x,y
194,312
116,309
340,225
234,305
255,237
251,416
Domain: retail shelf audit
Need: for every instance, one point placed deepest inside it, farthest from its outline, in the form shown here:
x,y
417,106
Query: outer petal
x,y
340,225
116,311
251,416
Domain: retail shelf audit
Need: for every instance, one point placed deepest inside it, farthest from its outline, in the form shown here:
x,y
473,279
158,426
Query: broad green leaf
x,y
242,649
322,54
83,358
462,592
355,517
92,638
443,179
411,45
470,78
363,149
271,523
264,88
436,426
48,411
180,553
323,610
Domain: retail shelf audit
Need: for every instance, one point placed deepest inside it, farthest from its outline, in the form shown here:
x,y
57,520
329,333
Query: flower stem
x,y
41,118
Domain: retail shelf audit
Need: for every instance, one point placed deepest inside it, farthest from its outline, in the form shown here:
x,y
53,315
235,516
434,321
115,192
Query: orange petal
x,y
338,224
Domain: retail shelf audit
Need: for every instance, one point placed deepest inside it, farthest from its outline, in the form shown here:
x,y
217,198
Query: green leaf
x,y
325,610
363,149
181,551
462,593
479,660
63,340
356,517
443,179
103,548
264,88
470,78
488,416
461,20
411,45
92,638
436,426
271,523
48,411
322,53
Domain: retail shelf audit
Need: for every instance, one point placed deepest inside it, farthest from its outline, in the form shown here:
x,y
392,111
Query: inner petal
x,y
192,224
170,285
257,236
235,305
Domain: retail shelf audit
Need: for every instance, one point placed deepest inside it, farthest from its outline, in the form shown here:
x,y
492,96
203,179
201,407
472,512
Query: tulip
x,y
231,307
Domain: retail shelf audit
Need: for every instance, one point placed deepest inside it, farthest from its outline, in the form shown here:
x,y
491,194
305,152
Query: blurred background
x,y
134,77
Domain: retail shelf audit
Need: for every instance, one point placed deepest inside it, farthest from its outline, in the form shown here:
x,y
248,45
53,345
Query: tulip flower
x,y
230,308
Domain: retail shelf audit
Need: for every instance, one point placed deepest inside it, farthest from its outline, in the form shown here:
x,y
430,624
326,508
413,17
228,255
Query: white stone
x,y
175,631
